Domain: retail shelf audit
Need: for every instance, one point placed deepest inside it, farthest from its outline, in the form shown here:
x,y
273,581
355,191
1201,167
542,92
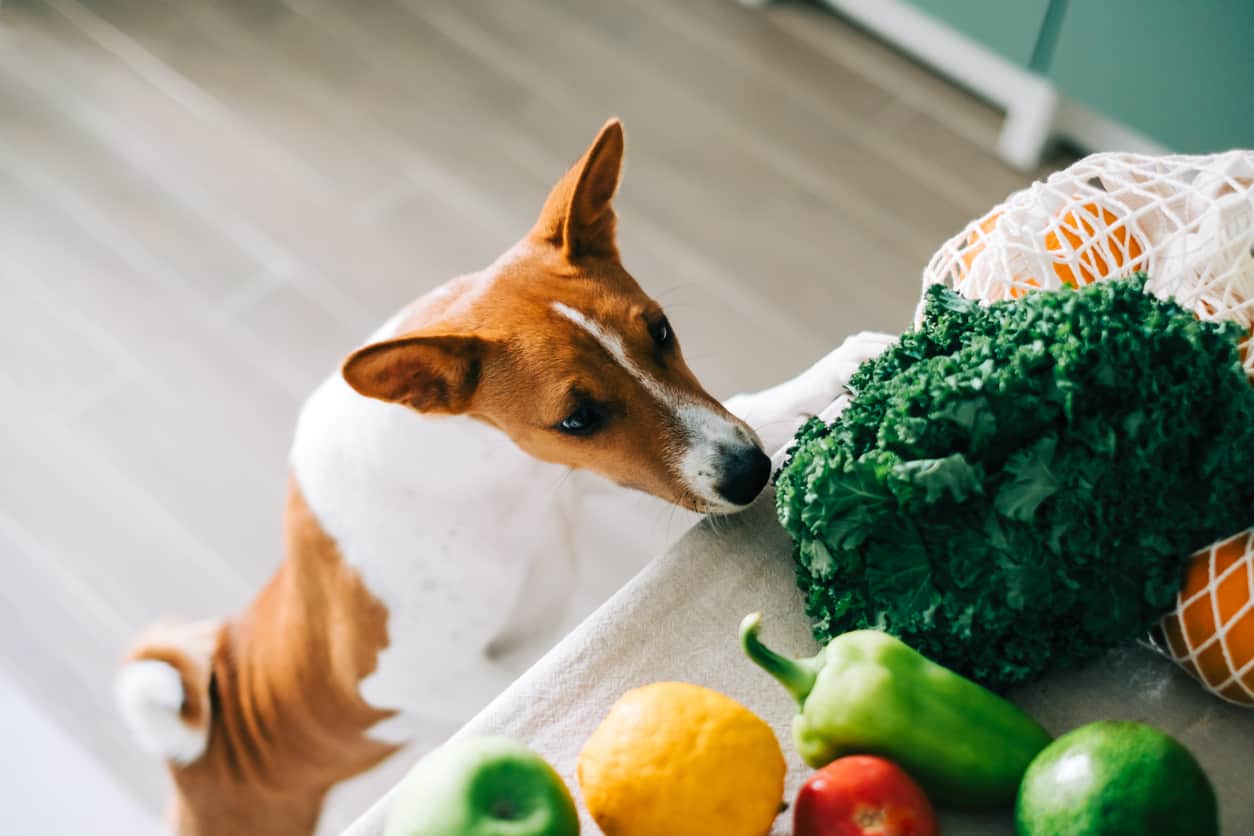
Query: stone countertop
x,y
678,620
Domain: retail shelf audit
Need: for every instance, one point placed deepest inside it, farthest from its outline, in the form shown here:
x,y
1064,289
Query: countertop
x,y
678,619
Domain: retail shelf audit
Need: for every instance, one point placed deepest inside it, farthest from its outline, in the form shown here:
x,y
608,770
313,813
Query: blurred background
x,y
205,204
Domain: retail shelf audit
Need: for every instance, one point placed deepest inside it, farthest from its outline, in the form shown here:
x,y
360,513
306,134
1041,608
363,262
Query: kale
x,y
1017,487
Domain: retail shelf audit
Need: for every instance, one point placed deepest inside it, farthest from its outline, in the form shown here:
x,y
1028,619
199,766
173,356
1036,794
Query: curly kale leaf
x,y
1016,487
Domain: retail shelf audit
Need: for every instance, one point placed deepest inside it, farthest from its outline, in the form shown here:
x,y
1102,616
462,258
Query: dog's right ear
x,y
578,216
427,373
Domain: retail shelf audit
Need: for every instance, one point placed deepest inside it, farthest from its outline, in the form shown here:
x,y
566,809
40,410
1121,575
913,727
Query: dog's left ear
x,y
428,373
578,216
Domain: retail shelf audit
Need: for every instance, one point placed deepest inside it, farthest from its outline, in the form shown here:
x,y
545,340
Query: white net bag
x,y
1188,222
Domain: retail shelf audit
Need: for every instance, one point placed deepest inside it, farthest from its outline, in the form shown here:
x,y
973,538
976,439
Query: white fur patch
x,y
150,696
710,433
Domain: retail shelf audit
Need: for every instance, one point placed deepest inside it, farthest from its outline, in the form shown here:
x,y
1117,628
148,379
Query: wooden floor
x,y
205,204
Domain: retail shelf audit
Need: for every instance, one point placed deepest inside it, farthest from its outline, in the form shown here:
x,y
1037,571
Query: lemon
x,y
674,759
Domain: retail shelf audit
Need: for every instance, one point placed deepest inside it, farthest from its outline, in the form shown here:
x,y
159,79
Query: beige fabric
x,y
678,620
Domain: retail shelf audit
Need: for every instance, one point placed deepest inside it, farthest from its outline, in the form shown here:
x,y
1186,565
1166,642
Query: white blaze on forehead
x,y
710,434
613,344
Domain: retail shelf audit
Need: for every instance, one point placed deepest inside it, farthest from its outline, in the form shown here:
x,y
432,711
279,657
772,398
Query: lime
x,y
1116,779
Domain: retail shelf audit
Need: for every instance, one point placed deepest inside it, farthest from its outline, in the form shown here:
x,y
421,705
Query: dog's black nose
x,y
745,473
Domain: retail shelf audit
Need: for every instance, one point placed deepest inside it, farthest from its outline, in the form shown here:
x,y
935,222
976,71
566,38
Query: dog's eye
x,y
585,420
662,334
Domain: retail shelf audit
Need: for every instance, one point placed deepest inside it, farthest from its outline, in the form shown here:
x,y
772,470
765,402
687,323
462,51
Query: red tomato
x,y
862,795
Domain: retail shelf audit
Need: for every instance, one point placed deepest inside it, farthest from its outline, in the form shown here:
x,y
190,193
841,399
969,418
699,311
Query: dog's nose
x,y
745,473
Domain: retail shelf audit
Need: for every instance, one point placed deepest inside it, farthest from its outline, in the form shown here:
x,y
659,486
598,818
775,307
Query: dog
x,y
433,517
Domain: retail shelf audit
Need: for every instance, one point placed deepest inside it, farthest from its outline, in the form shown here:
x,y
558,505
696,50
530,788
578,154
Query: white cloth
x,y
678,620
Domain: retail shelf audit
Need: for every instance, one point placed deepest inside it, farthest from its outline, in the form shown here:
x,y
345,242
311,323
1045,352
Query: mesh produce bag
x,y
1187,221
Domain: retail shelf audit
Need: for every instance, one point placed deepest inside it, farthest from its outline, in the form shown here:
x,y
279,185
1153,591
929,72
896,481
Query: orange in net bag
x,y
1188,223
1211,632
1081,251
1089,243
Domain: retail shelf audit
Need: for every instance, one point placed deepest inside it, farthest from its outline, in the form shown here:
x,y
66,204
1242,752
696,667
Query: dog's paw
x,y
834,370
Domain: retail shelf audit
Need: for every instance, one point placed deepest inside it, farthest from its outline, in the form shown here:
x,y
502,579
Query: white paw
x,y
834,370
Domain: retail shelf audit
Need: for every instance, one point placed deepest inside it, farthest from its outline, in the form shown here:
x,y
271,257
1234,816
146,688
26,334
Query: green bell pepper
x,y
870,693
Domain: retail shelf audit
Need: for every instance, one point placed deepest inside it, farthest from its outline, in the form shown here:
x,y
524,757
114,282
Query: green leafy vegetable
x,y
1017,487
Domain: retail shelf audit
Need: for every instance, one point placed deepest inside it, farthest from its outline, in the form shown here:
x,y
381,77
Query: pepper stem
x,y
797,675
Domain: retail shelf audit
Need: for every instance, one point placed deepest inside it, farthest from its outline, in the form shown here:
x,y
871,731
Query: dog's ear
x,y
578,216
428,373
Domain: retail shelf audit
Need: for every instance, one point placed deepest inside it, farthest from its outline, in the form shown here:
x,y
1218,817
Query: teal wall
x,y
1180,72
1008,27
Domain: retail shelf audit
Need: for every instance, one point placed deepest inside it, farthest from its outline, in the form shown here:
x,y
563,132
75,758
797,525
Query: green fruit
x,y
1116,779
482,786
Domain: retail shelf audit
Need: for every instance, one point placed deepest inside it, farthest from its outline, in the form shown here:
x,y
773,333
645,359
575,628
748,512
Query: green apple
x,y
482,786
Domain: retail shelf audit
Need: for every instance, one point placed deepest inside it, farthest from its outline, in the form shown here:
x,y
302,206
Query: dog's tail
x,y
163,689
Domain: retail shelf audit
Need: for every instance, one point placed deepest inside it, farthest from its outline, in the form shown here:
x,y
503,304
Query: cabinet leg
x,y
1029,125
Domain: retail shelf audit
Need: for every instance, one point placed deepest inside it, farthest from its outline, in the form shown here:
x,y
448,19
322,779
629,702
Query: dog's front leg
x,y
777,413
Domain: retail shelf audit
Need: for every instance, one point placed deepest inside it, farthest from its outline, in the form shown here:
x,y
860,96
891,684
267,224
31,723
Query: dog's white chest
x,y
482,555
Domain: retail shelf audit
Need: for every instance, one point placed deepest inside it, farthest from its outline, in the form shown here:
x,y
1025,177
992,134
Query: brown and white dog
x,y
432,533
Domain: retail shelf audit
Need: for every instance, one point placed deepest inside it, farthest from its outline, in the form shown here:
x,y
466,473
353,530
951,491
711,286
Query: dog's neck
x,y
350,451
445,521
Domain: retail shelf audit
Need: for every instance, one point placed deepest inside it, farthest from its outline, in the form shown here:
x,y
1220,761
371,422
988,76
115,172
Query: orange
x,y
974,245
1083,244
1217,607
1081,253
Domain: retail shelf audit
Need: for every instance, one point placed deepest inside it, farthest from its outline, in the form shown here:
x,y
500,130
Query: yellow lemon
x,y
673,759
